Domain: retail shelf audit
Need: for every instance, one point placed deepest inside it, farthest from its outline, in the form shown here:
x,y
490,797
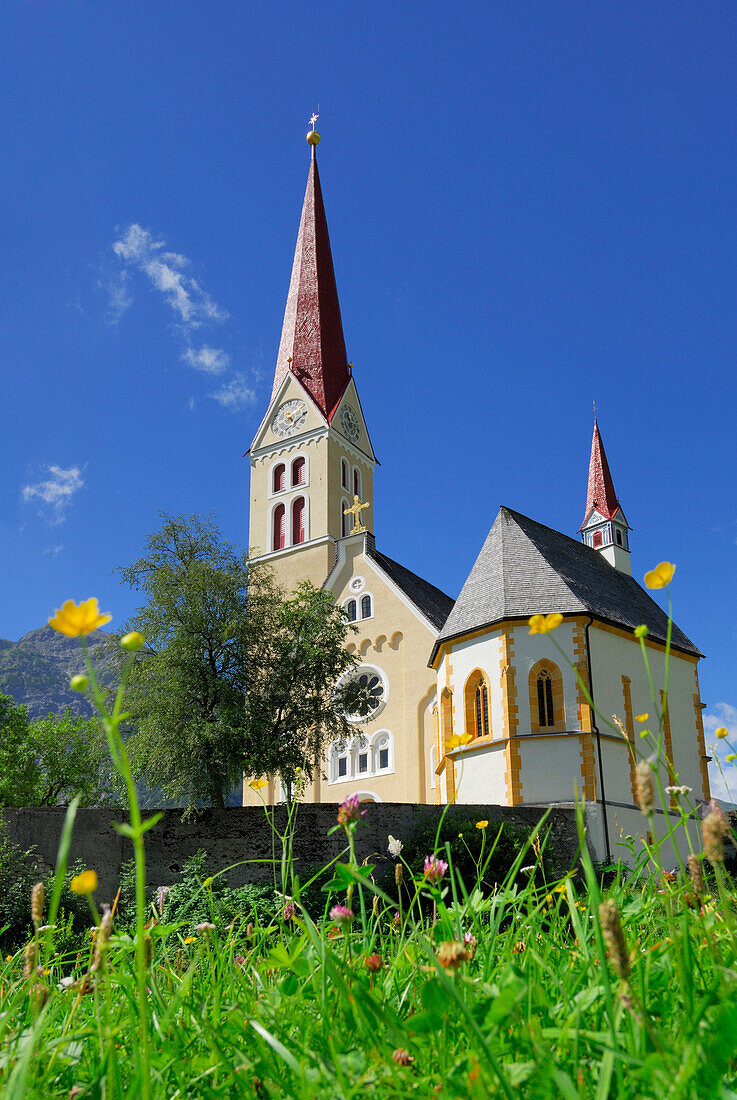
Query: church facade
x,y
468,705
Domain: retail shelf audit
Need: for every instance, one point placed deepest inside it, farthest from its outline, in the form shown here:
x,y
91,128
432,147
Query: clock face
x,y
349,423
289,418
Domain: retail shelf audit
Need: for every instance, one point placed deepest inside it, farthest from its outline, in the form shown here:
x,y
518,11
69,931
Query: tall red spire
x,y
600,494
312,333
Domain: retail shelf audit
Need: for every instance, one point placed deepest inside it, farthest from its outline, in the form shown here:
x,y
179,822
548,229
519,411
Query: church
x,y
468,705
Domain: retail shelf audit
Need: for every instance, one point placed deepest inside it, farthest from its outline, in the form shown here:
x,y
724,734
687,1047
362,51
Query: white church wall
x,y
480,775
482,653
531,648
551,767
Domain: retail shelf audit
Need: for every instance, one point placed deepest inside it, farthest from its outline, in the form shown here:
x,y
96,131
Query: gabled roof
x,y
525,569
600,492
312,333
428,599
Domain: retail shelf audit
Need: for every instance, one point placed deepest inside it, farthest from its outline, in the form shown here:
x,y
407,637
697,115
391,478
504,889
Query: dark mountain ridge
x,y
36,669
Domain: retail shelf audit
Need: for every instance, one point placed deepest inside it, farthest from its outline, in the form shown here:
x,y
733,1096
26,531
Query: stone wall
x,y
241,836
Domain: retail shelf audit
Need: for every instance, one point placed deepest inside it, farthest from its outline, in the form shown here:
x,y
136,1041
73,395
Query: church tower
x,y
605,527
312,456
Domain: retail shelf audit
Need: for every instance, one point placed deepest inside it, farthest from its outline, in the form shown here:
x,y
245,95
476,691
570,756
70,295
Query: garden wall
x,y
242,833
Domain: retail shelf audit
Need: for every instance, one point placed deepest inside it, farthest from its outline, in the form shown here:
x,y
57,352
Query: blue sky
x,y
531,206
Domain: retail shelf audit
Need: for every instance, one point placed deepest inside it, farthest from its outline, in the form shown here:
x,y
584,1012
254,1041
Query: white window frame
x,y
353,750
290,467
287,471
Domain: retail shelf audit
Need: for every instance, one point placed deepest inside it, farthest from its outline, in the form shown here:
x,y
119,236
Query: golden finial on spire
x,y
595,412
313,138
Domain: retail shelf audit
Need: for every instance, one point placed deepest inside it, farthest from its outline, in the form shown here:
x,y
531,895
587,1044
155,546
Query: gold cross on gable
x,y
355,511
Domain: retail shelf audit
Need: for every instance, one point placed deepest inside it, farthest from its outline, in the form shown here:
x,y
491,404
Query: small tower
x,y
605,527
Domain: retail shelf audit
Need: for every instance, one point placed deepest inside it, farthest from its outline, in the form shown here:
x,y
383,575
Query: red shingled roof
x,y
600,493
312,334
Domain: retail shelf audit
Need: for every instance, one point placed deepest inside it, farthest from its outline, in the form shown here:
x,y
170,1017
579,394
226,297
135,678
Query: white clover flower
x,y
395,846
678,790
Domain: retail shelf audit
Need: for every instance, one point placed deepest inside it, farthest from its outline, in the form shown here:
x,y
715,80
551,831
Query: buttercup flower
x,y
435,869
341,914
350,810
452,742
86,883
190,939
257,784
75,620
641,631
721,732
395,846
543,624
131,642
642,717
660,576
482,824
465,738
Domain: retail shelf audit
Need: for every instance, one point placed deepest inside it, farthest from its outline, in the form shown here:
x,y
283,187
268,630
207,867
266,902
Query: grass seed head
x,y
644,788
38,896
714,828
29,965
102,939
696,874
611,929
398,874
402,1057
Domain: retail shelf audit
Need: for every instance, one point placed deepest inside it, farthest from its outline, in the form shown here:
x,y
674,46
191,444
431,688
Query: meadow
x,y
617,982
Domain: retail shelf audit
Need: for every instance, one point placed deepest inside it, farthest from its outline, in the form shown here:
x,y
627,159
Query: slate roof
x,y
428,599
525,569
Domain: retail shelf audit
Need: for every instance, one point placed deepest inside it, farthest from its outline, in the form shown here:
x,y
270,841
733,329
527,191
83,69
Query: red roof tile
x,y
600,493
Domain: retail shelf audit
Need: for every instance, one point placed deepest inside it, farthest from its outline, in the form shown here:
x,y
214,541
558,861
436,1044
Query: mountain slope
x,y
36,670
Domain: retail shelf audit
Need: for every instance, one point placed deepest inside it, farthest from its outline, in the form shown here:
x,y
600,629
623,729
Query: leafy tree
x,y
233,678
17,763
72,758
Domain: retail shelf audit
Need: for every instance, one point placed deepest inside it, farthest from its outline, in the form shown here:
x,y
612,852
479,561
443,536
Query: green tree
x,y
17,763
72,757
233,679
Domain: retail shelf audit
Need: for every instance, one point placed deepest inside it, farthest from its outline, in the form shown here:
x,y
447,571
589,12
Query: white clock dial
x,y
289,418
350,424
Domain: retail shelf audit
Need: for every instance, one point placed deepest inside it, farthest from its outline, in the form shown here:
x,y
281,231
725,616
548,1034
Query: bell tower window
x,y
279,527
279,482
298,471
356,481
344,475
298,520
597,539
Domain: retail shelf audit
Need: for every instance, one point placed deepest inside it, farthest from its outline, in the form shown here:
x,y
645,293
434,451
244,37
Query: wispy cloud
x,y
56,492
722,714
207,359
118,287
53,551
166,271
235,394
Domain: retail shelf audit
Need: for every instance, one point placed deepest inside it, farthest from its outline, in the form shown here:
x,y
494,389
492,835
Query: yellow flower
x,y
190,939
86,883
452,742
731,756
74,621
465,738
721,732
131,642
641,717
560,888
257,784
8,958
660,576
641,631
543,624
481,824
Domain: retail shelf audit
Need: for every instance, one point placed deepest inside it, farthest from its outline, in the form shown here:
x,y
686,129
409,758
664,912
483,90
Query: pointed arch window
x,y
278,537
482,711
476,705
547,704
298,520
299,471
279,478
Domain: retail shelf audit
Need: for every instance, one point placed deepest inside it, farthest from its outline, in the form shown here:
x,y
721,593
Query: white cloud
x,y
723,714
138,248
57,491
191,403
207,359
53,550
235,394
120,295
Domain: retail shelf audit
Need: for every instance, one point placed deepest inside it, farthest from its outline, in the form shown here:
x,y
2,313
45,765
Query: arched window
x,y
382,752
344,474
619,536
547,705
597,540
366,607
278,537
345,521
298,520
356,481
279,482
350,610
298,471
545,712
476,705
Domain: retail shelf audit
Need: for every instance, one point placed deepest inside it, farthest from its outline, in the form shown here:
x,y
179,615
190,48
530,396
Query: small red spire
x,y
312,344
600,493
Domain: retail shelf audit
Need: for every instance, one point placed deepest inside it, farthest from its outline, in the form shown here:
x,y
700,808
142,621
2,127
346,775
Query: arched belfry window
x,y
279,478
299,471
278,538
597,540
356,481
298,520
477,714
547,704
545,712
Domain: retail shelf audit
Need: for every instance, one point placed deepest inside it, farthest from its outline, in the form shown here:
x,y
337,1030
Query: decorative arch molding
x,y
396,639
380,643
367,796
364,646
547,699
477,705
350,648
